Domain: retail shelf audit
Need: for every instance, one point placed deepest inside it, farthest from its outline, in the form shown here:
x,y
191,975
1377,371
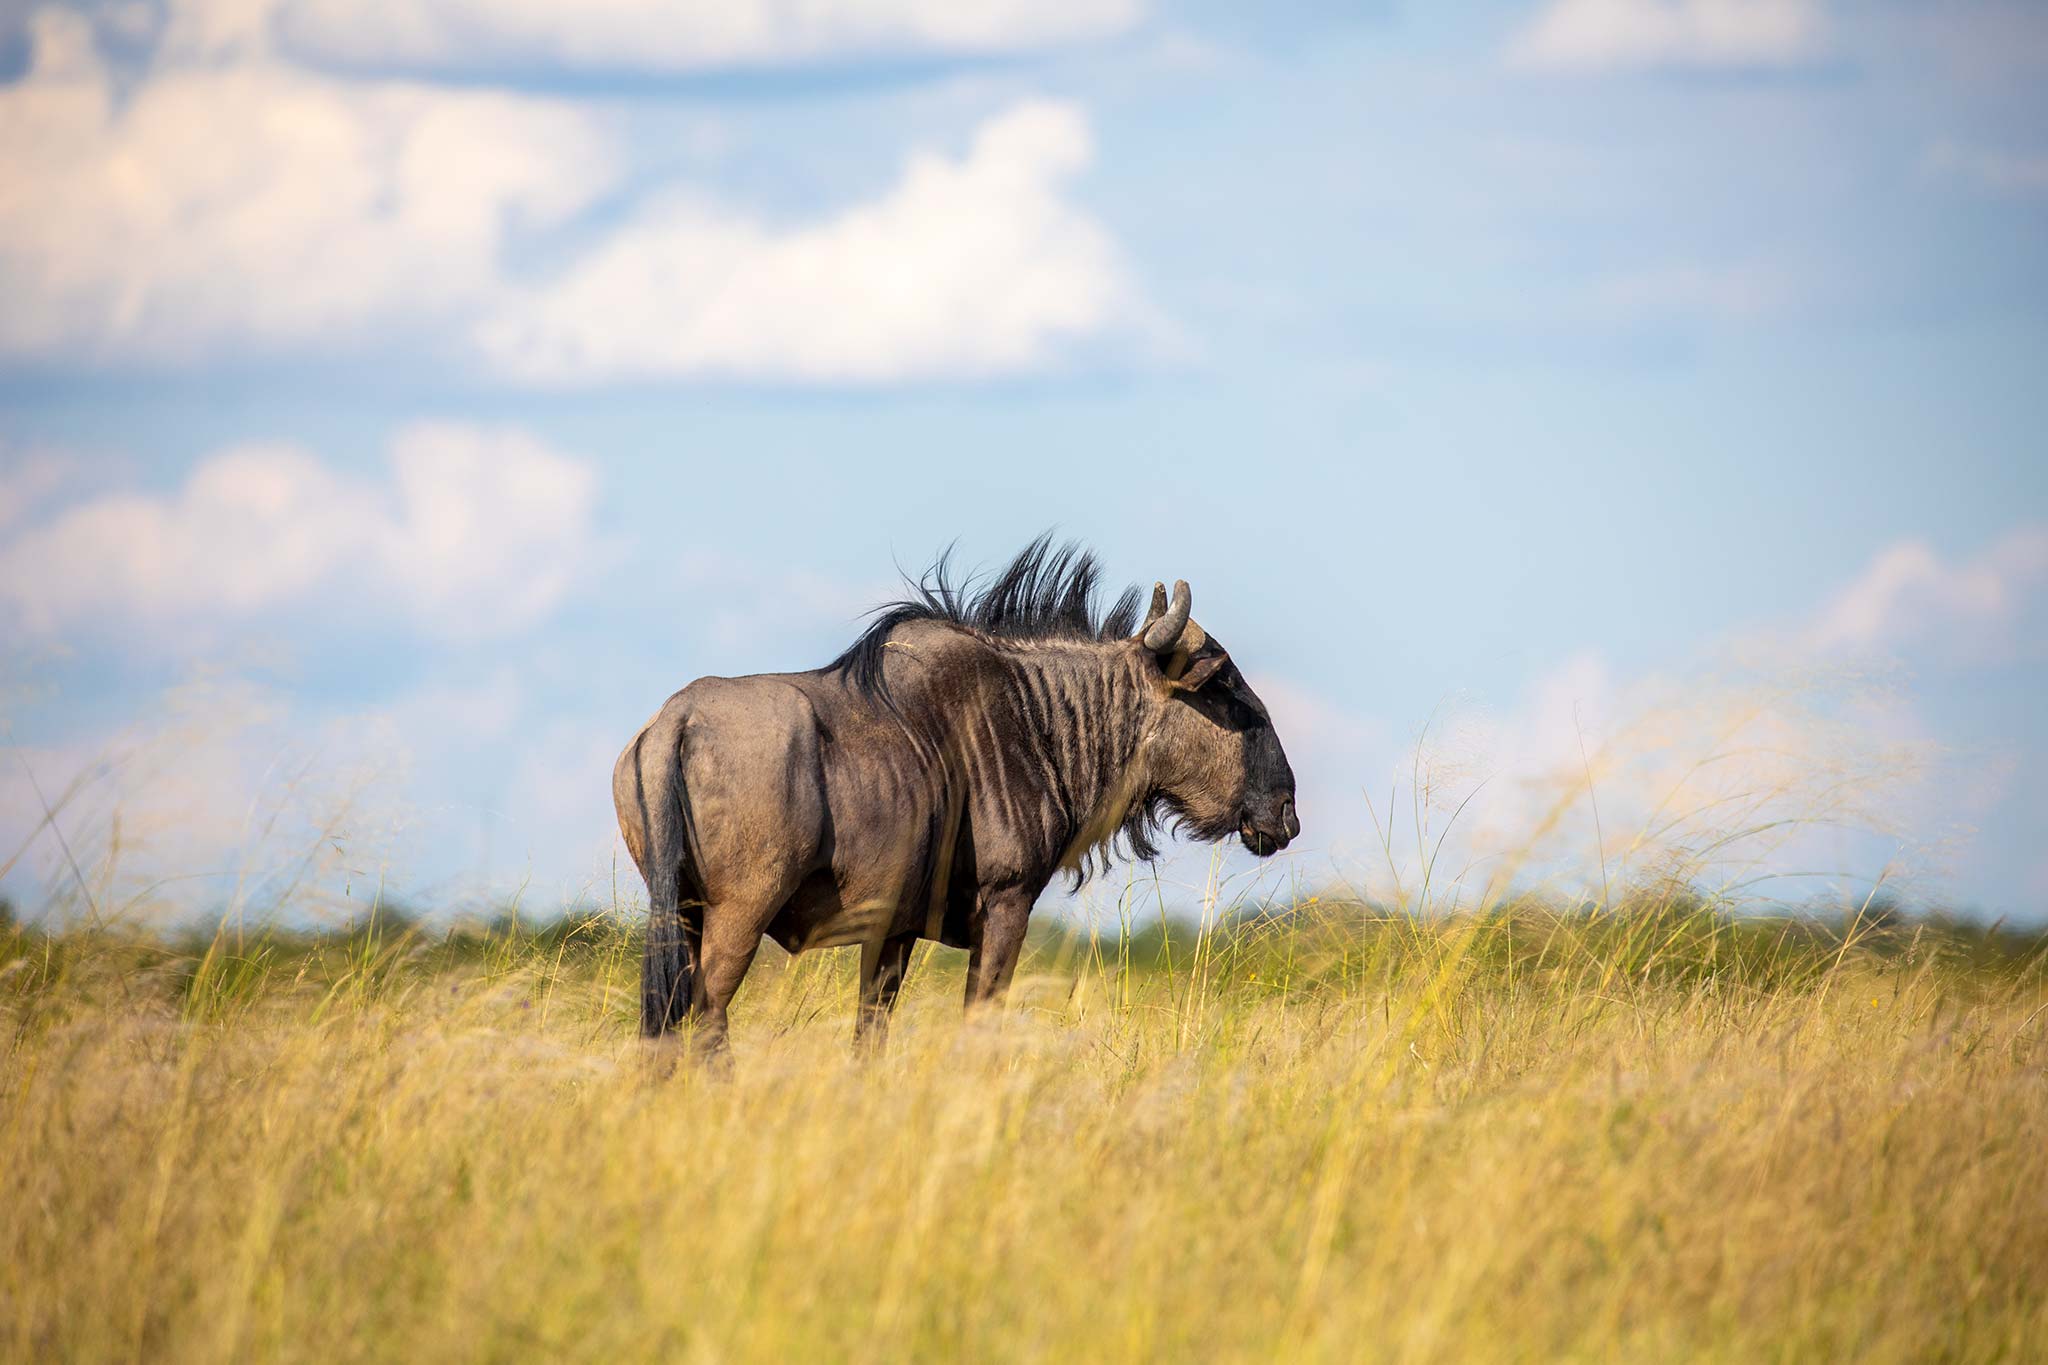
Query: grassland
x,y
1335,1134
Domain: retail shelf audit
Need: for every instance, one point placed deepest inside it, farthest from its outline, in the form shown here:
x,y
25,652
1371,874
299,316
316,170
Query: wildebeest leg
x,y
994,944
882,965
728,946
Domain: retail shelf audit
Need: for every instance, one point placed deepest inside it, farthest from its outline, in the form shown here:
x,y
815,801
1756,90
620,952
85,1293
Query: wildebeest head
x,y
1216,760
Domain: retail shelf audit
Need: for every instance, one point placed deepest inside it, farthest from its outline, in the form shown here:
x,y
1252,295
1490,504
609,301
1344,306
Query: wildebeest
x,y
931,780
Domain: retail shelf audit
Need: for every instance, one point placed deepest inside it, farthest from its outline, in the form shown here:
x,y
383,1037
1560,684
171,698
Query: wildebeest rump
x,y
931,780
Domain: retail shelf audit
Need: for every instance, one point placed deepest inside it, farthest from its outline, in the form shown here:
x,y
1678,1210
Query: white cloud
x,y
1600,35
492,521
27,481
234,204
478,531
246,204
655,35
1989,604
966,267
1591,783
224,797
228,793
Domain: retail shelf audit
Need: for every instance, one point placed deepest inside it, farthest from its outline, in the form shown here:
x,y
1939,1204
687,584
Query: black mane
x,y
1046,593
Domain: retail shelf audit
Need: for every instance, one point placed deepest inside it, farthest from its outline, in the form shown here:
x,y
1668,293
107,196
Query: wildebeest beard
x,y
1163,812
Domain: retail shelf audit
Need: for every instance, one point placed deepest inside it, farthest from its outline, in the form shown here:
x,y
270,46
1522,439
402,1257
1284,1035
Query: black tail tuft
x,y
669,960
666,967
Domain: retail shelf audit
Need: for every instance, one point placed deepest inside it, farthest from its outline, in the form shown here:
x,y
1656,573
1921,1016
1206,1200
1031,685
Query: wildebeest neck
x,y
1054,735
1087,704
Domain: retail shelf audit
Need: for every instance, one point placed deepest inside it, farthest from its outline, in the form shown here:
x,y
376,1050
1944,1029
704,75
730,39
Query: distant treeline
x,y
1668,940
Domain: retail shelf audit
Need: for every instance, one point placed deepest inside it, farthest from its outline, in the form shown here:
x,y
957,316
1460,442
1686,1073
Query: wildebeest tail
x,y
668,961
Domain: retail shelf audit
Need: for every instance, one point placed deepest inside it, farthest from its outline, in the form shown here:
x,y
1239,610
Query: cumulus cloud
x,y
1782,765
476,531
241,205
653,35
970,267
230,796
1606,35
1745,785
27,480
1592,781
225,798
1989,604
231,203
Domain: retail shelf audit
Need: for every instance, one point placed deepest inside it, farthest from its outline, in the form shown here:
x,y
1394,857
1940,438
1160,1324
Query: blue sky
x,y
390,417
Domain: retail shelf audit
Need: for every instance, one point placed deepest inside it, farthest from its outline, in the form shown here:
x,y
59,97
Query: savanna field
x,y
1329,1132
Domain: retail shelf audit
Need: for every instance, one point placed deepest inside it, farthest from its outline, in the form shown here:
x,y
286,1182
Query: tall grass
x,y
1332,1133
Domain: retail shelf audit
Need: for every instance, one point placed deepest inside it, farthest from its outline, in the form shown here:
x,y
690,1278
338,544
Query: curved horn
x,y
1157,610
1162,635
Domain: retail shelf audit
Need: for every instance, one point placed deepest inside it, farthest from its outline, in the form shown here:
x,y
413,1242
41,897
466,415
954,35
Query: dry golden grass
x,y
1527,1135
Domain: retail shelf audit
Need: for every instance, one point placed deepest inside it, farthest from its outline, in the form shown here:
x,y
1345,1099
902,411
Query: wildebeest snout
x,y
1267,832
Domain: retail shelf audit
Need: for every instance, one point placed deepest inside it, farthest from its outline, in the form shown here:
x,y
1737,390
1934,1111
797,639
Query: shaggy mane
x,y
1046,593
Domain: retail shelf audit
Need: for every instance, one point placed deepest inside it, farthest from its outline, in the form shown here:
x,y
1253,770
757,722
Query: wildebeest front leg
x,y
995,942
882,965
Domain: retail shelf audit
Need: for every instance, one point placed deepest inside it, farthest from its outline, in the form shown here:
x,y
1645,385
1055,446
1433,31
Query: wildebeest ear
x,y
1200,672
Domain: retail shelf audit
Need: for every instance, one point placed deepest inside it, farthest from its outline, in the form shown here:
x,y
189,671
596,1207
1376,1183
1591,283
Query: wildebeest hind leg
x,y
731,936
883,963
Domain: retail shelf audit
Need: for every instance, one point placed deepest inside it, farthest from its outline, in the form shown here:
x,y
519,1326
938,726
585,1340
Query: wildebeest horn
x,y
1158,608
1164,633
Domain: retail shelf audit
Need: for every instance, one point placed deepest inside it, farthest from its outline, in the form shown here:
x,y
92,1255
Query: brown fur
x,y
934,798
